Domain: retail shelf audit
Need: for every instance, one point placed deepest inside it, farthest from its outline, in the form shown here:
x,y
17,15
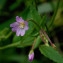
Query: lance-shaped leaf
x,y
51,53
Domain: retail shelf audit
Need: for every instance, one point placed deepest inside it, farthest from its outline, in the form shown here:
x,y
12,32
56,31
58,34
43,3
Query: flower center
x,y
22,25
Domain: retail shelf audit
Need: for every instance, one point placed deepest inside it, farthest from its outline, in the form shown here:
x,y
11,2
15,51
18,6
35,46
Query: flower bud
x,y
31,55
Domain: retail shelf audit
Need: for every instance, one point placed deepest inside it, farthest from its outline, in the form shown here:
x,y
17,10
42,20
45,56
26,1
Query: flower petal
x,y
26,28
26,23
22,32
19,19
18,31
14,24
14,29
31,56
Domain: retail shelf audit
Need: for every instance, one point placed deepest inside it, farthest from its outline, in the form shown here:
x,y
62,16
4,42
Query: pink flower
x,y
31,55
20,26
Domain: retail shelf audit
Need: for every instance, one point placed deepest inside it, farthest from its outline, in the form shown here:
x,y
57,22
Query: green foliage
x,y
51,53
38,41
29,11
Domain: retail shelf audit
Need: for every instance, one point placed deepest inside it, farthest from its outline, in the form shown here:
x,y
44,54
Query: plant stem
x,y
35,23
53,18
10,45
33,44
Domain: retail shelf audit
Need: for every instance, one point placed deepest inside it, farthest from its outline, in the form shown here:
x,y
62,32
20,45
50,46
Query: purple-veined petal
x,y
22,32
26,28
15,24
19,19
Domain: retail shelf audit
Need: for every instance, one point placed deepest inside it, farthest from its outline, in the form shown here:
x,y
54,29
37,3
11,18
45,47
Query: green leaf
x,y
24,41
27,41
51,53
35,14
38,41
17,38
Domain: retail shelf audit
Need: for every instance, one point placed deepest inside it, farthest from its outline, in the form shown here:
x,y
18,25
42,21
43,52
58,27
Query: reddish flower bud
x,y
31,55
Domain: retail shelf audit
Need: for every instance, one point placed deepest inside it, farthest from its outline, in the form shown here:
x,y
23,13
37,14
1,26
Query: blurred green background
x,y
48,13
